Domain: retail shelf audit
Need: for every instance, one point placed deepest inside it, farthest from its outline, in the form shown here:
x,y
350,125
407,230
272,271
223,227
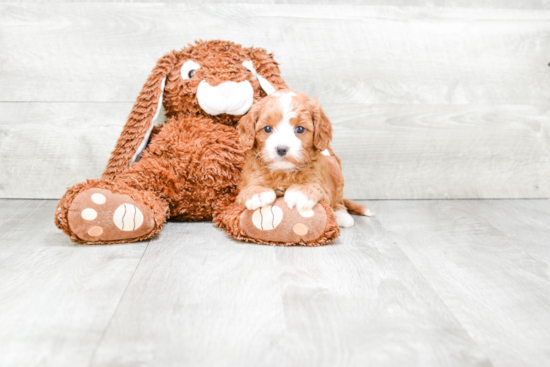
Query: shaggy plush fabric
x,y
191,166
319,230
158,207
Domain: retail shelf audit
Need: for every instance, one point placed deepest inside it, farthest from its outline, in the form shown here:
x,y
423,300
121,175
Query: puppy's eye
x,y
300,130
191,73
267,129
247,70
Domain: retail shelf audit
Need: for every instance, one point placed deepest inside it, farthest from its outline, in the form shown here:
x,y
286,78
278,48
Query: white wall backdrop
x,y
443,99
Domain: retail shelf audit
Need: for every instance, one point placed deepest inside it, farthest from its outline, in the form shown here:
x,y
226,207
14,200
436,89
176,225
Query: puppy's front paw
x,y
296,198
260,200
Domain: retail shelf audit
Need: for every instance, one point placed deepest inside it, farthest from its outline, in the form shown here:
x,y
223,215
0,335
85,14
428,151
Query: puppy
x,y
287,139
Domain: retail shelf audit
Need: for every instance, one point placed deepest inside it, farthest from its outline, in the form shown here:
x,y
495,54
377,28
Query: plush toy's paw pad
x,y
268,217
98,215
128,218
279,223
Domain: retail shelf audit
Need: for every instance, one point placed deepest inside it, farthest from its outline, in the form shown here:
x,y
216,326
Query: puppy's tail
x,y
357,209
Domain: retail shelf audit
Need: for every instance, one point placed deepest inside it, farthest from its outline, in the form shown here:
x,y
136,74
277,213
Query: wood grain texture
x,y
343,53
412,152
405,152
201,299
423,283
47,147
56,298
488,260
487,4
443,99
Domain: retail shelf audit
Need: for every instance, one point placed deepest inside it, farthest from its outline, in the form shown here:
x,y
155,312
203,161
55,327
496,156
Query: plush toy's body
x,y
190,167
193,164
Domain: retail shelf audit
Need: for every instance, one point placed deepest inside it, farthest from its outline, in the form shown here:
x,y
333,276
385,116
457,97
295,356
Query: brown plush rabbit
x,y
189,167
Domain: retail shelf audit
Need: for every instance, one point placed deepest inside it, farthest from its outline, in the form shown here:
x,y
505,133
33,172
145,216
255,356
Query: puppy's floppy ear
x,y
247,127
322,125
265,69
136,132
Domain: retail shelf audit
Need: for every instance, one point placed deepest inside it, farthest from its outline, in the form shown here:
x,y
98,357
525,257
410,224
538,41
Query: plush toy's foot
x,y
108,214
277,224
100,215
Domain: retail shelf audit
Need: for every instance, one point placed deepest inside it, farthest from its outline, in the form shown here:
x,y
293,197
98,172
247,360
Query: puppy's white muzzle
x,y
228,97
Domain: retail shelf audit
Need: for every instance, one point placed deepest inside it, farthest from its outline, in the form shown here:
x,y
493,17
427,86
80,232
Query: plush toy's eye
x,y
188,69
300,130
267,129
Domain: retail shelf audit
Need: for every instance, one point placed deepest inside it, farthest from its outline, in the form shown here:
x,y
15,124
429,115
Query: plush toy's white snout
x,y
228,97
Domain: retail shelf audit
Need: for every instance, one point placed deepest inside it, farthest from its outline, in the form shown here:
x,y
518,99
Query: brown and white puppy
x,y
287,138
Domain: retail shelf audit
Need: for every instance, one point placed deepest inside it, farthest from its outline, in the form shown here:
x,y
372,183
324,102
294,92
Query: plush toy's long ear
x,y
136,132
266,69
322,125
247,127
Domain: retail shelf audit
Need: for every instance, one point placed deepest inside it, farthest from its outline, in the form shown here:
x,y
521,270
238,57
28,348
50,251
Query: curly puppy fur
x,y
305,167
287,136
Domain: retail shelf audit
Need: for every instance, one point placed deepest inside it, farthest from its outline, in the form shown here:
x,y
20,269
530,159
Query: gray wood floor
x,y
424,283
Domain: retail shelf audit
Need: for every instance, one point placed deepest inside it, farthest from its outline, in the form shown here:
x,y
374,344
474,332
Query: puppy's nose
x,y
281,150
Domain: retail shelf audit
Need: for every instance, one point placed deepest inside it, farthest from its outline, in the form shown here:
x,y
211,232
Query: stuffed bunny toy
x,y
188,168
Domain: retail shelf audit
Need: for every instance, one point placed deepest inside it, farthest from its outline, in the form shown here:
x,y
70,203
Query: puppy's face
x,y
286,128
284,131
